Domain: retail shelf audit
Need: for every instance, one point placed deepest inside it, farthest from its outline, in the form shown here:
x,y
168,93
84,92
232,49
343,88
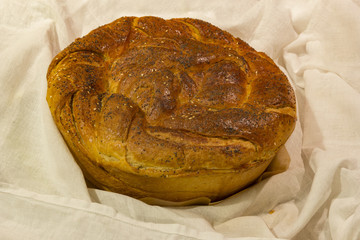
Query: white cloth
x,y
316,43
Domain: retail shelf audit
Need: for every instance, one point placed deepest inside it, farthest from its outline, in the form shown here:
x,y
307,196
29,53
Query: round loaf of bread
x,y
169,109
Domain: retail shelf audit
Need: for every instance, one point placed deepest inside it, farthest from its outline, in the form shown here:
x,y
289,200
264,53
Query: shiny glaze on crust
x,y
168,98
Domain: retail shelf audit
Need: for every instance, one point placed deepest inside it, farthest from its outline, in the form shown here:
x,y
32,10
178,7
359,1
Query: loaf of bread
x,y
169,109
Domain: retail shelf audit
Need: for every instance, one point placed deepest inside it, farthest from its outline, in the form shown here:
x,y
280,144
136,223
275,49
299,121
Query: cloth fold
x,y
43,194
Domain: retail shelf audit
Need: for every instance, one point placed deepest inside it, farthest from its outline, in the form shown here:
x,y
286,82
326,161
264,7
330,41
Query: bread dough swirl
x,y
171,109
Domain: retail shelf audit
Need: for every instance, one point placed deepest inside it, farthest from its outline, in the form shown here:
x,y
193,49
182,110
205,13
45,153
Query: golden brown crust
x,y
171,109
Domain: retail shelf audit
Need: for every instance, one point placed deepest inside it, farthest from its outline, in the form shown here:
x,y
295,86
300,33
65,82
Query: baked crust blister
x,y
170,109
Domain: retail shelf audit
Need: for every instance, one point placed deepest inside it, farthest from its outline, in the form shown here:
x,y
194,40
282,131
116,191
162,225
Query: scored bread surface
x,y
170,109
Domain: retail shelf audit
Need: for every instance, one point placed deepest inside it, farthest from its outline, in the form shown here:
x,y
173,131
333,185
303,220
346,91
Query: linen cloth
x,y
43,194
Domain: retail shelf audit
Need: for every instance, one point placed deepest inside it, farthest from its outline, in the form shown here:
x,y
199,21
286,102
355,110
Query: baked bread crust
x,y
171,109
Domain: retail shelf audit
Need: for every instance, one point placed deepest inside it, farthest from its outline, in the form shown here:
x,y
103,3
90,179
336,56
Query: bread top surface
x,y
153,96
